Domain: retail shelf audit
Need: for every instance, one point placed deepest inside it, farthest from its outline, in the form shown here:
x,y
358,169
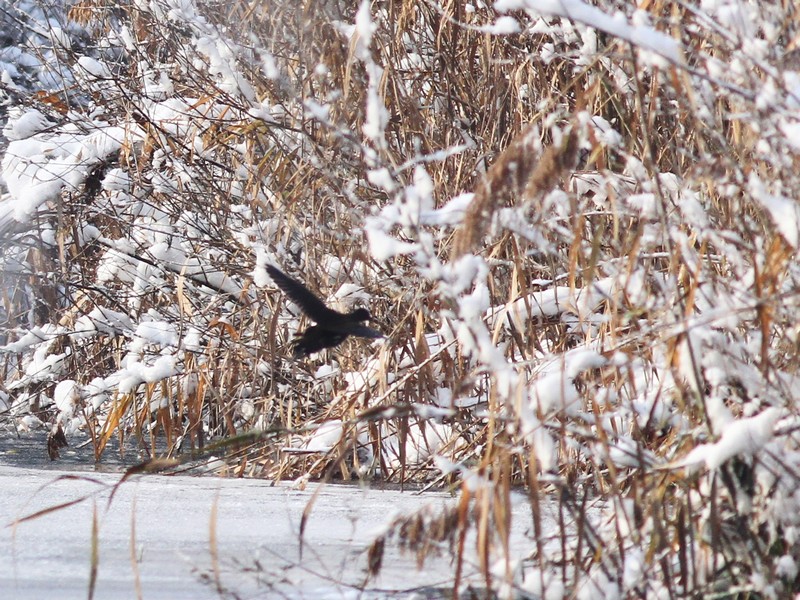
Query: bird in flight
x,y
332,327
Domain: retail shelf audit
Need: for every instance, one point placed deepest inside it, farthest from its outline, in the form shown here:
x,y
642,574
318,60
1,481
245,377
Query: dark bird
x,y
332,327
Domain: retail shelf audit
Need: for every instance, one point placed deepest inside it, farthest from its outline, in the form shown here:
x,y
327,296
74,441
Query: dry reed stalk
x,y
517,171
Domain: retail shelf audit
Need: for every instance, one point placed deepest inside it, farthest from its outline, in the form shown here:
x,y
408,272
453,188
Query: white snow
x,y
784,211
167,523
65,396
503,26
23,124
743,437
325,437
643,36
382,246
682,278
37,168
350,296
106,321
137,372
423,440
451,213
117,179
162,333
28,339
94,67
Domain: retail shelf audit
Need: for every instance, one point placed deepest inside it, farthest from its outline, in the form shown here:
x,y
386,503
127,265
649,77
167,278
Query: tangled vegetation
x,y
577,226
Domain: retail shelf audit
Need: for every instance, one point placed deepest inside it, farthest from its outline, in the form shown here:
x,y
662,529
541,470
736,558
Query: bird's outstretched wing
x,y
302,296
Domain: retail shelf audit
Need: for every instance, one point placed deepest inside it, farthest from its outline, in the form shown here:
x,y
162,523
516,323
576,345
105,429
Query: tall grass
x,y
621,289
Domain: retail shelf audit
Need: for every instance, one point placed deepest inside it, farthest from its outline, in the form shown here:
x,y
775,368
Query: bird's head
x,y
360,314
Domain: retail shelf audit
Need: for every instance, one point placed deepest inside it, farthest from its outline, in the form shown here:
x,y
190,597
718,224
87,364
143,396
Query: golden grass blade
x,y
94,560
134,552
111,425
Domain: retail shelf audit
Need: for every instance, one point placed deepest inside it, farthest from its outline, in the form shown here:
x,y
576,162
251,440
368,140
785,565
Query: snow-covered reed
x,y
576,224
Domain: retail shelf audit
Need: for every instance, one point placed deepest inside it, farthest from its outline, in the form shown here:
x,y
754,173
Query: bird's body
x,y
332,327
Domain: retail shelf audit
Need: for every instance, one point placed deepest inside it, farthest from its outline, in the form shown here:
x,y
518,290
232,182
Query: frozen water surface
x,y
171,519
168,521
